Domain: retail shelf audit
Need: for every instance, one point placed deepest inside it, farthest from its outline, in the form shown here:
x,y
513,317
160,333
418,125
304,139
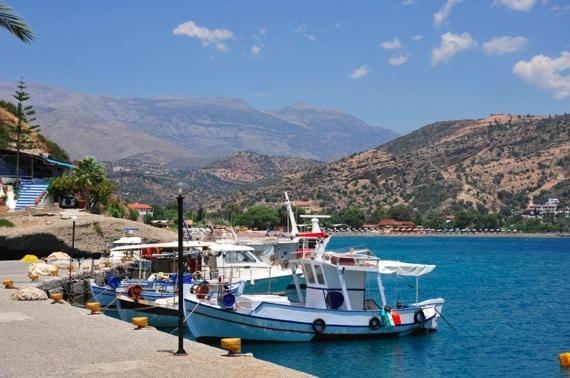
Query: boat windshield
x,y
239,257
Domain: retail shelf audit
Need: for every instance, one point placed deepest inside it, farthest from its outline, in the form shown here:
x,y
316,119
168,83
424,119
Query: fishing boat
x,y
117,256
163,312
235,262
277,249
343,298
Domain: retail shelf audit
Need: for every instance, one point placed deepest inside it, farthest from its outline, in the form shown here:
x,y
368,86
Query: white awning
x,y
404,269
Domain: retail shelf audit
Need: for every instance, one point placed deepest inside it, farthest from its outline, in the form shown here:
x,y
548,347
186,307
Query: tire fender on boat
x,y
374,323
319,325
135,292
419,316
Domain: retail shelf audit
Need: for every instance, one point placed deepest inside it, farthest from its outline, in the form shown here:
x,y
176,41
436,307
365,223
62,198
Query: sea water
x,y
506,312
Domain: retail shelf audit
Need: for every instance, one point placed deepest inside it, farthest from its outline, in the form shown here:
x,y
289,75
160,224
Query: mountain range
x,y
501,162
188,133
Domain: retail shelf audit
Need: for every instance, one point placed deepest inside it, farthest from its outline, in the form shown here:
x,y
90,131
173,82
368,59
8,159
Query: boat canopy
x,y
404,269
186,244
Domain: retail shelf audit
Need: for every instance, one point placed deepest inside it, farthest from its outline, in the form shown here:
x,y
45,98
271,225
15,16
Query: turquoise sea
x,y
507,312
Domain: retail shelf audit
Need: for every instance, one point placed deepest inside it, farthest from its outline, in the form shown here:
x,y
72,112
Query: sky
x,y
397,64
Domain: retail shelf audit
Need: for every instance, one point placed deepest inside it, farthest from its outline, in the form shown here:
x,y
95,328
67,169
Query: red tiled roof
x,y
139,206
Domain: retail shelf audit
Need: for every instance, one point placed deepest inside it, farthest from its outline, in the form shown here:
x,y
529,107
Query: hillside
x,y
151,183
500,161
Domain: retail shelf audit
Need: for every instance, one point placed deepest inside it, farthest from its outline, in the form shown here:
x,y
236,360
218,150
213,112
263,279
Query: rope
x,y
186,318
445,320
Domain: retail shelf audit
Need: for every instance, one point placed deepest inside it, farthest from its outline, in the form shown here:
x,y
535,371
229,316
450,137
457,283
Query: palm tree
x,y
15,25
87,175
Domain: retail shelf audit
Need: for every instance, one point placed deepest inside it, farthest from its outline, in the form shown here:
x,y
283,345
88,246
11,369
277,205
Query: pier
x,y
50,338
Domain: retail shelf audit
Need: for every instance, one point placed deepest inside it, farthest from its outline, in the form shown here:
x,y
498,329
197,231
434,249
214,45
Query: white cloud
x,y
451,44
504,45
399,60
440,16
409,2
390,45
518,5
417,37
360,72
544,72
255,50
205,35
303,30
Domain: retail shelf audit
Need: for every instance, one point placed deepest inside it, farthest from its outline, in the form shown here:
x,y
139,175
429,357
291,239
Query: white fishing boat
x,y
240,263
117,256
276,249
343,299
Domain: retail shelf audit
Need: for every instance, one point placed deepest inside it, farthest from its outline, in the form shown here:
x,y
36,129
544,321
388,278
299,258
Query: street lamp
x,y
179,190
73,219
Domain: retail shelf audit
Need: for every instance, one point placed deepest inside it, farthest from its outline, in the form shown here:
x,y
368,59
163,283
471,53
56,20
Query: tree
x,y
14,24
88,177
232,210
21,131
401,213
354,217
260,217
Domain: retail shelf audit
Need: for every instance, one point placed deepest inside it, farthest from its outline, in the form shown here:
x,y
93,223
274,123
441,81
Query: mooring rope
x,y
445,320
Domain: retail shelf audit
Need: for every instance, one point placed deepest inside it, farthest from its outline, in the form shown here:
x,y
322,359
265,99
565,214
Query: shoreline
x,y
454,235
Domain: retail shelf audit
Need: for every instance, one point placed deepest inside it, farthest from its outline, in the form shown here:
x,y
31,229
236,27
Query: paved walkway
x,y
47,339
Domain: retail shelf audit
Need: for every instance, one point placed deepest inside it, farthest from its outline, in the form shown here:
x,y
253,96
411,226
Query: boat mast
x,y
294,229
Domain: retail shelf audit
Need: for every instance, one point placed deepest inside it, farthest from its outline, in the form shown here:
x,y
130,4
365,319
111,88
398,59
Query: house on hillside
x,y
142,208
549,207
305,205
30,167
30,174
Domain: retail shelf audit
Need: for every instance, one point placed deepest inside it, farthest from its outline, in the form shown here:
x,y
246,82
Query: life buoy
x,y
419,316
135,292
148,253
319,325
374,323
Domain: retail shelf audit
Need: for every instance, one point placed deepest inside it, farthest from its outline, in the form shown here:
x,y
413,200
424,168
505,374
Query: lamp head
x,y
180,189
73,218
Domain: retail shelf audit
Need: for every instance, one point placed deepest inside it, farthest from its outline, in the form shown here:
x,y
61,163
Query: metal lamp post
x,y
73,219
180,188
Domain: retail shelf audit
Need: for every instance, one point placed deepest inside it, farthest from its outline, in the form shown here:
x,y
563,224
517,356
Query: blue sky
x,y
397,64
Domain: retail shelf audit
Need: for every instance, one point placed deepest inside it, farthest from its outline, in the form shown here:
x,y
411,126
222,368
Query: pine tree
x,y
21,131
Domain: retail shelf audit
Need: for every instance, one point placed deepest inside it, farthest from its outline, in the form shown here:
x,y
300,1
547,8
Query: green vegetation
x,y
6,223
89,180
19,135
15,25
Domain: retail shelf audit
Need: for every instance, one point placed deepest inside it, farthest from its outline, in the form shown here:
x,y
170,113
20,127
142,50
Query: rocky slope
x,y
41,232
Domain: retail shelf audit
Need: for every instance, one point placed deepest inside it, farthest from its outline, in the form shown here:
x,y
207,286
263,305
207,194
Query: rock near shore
x,y
43,231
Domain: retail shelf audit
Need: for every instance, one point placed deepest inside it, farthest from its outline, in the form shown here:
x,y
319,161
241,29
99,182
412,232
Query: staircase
x,y
30,194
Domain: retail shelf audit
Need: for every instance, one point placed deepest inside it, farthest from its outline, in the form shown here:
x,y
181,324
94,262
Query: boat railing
x,y
354,257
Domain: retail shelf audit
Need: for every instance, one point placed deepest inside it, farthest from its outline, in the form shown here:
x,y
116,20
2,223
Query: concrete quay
x,y
44,338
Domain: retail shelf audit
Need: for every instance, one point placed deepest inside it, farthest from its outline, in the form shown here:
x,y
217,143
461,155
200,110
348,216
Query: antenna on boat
x,y
315,227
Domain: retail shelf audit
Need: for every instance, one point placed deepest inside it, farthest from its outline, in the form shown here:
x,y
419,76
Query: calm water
x,y
507,305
